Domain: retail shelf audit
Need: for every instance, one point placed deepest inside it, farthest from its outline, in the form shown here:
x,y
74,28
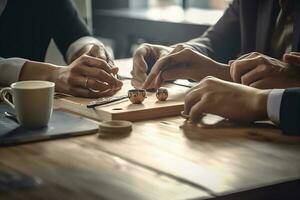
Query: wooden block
x,y
125,110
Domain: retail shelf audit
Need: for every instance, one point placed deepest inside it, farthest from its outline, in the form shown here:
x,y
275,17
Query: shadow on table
x,y
212,127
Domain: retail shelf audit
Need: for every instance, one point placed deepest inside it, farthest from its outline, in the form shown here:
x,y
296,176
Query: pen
x,y
105,100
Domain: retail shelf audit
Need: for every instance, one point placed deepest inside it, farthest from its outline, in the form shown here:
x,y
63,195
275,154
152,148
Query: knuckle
x,y
179,47
244,80
254,54
209,80
261,58
74,69
187,50
262,68
189,97
84,57
71,80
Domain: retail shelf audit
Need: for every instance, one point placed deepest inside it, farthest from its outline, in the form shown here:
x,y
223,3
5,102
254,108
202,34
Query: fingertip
x,y
115,70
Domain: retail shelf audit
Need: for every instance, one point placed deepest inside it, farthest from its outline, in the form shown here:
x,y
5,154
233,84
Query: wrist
x,y
260,104
32,70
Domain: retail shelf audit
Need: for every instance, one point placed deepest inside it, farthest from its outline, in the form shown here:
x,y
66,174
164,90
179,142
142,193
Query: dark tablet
x,y
61,125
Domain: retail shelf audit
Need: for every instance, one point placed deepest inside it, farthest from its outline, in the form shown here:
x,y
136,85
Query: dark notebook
x,y
61,125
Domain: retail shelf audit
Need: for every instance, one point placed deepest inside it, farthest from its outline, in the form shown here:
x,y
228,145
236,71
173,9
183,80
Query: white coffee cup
x,y
32,101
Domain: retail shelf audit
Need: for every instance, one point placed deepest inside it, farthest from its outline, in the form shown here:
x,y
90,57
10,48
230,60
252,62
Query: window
x,y
207,4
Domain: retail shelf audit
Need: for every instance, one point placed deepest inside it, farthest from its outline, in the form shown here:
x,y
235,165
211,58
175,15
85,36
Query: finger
x,y
97,85
191,99
98,74
94,51
109,59
85,82
240,67
248,55
292,59
115,70
138,75
82,92
178,48
97,63
98,52
163,63
196,112
136,84
260,72
263,84
295,53
139,62
159,81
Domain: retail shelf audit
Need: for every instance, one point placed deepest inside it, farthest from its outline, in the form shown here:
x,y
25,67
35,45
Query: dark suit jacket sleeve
x,y
221,42
290,111
65,24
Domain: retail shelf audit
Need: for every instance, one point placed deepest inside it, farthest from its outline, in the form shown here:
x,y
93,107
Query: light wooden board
x,y
125,110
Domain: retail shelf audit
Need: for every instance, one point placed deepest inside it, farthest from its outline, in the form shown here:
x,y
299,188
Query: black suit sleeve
x,y
221,42
290,111
65,24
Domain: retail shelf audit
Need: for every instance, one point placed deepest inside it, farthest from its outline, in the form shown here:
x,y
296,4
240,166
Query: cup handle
x,y
3,93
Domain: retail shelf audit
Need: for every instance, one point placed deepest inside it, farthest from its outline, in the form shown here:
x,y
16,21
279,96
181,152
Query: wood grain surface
x,y
151,108
164,158
70,170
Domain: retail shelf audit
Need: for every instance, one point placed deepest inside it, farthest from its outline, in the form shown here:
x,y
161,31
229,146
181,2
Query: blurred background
x,y
124,24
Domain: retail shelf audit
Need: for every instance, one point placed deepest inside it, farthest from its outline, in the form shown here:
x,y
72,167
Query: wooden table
x,y
158,160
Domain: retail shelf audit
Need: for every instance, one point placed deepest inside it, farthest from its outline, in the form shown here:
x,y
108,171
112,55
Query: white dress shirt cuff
x,y
10,69
273,105
79,44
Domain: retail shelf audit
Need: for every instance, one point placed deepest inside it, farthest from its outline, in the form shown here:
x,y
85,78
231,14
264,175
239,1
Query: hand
x,y
86,77
292,58
97,51
143,59
260,71
226,99
184,63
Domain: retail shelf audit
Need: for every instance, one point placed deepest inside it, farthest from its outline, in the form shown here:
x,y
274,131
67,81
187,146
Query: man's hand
x,y
184,63
143,59
261,71
97,51
226,99
87,77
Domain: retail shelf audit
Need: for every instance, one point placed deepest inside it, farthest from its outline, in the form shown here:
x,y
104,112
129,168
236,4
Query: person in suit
x,y
243,103
250,38
26,28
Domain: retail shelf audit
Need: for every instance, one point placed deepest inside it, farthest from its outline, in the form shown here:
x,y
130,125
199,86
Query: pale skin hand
x,y
229,100
143,59
72,79
97,51
261,71
184,63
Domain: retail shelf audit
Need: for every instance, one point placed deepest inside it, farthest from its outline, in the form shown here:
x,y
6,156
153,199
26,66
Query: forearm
x,y
37,71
